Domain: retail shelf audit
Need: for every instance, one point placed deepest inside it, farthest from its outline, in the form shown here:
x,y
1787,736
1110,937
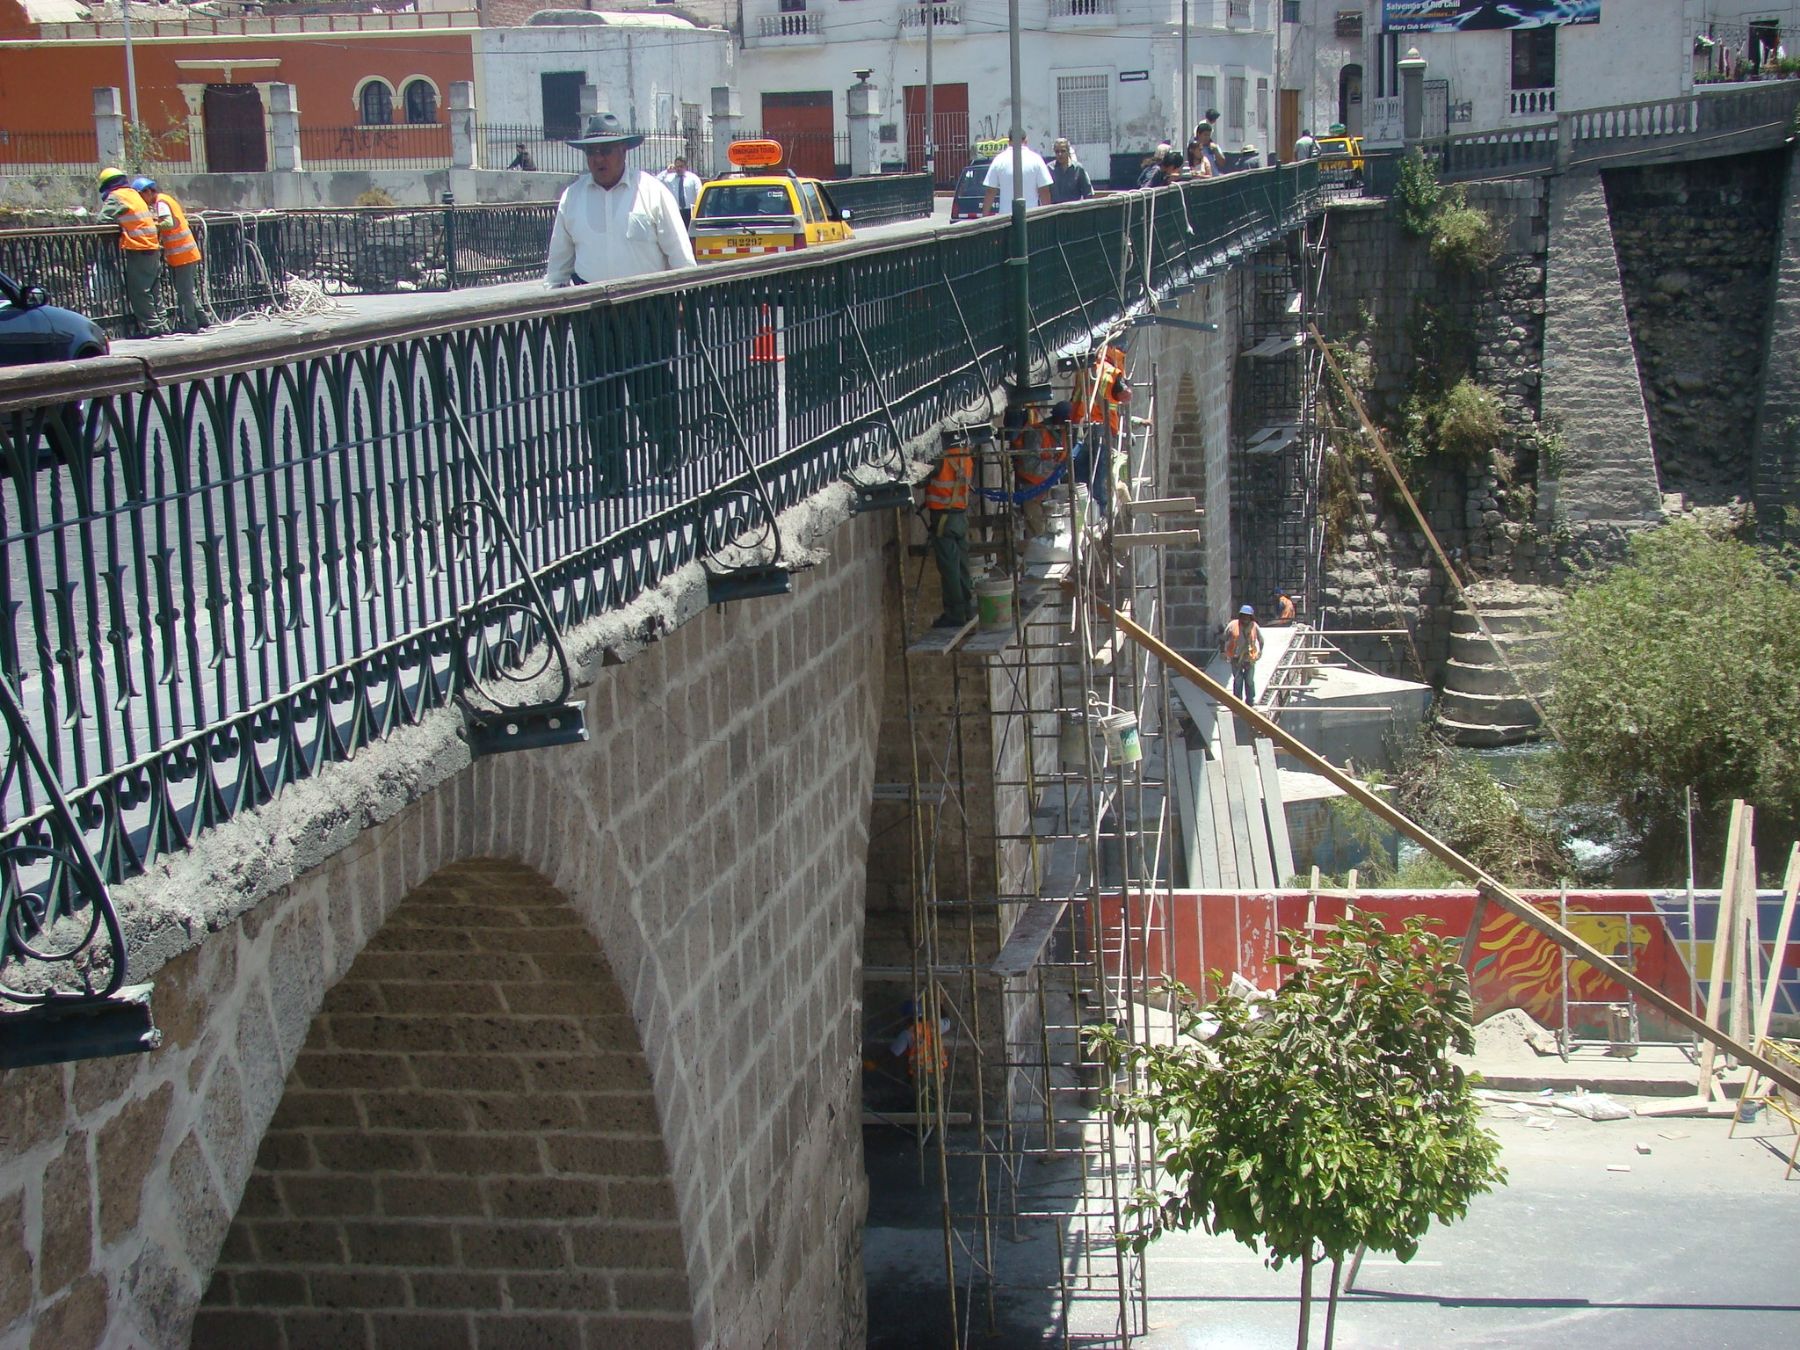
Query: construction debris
x,y
1513,1035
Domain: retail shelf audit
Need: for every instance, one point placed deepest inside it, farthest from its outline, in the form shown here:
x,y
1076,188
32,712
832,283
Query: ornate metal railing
x,y
219,580
79,266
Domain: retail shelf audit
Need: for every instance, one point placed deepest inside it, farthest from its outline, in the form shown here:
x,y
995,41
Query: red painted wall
x,y
49,86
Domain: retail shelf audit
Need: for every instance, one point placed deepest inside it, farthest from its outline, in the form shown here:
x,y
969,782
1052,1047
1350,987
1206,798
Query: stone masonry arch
x,y
467,1150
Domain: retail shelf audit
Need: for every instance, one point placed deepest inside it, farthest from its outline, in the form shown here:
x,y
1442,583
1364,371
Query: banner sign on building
x,y
1459,16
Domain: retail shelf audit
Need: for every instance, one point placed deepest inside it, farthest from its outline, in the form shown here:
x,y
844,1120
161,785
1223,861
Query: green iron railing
x,y
220,580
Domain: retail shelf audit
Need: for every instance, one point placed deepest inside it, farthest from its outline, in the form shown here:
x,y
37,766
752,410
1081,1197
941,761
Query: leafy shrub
x,y
375,197
1678,669
1416,196
1463,237
1463,423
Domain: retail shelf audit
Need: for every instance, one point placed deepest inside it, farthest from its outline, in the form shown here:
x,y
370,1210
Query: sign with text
x,y
1464,16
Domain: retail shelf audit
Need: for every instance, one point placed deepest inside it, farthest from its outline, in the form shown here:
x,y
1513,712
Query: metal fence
x,y
79,267
29,153
497,146
216,581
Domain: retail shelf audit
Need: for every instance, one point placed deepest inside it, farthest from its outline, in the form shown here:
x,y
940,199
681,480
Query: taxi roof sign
x,y
755,154
991,147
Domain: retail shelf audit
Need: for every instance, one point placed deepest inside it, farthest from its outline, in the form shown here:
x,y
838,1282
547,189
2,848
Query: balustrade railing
x,y
1493,154
1084,9
790,25
920,16
219,580
1531,102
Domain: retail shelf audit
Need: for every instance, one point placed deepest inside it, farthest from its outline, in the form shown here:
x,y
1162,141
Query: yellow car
x,y
1341,157
750,214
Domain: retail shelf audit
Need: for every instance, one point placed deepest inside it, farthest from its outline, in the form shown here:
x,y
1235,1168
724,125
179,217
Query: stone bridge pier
x,y
551,1049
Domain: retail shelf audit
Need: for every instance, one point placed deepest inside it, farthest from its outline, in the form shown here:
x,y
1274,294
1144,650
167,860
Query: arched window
x,y
421,102
377,103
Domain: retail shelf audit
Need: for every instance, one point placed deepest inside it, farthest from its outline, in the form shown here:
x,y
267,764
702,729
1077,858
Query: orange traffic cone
x,y
762,346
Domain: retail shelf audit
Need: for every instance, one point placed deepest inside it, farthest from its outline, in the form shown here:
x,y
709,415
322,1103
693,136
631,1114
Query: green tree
x,y
1682,668
1326,1116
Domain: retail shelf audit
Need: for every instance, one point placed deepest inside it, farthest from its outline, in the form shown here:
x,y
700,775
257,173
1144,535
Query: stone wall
x,y
1398,311
1696,244
1776,473
710,840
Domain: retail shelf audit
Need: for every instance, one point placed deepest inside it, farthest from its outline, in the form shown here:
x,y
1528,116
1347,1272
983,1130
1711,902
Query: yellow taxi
x,y
1340,157
760,210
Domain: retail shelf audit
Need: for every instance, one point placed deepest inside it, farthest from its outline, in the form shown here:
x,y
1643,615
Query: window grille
x,y
1081,109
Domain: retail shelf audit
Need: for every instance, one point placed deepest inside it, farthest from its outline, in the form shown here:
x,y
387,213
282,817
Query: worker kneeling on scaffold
x,y
1039,454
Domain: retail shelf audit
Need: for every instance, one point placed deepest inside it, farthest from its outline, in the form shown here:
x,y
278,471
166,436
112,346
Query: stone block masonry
x,y
586,1072
1591,390
1776,458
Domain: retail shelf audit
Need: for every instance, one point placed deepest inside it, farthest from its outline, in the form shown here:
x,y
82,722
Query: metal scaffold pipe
x,y
1487,887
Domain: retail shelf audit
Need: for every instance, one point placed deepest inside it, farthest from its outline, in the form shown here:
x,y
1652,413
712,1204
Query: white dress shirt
x,y
999,175
609,234
684,184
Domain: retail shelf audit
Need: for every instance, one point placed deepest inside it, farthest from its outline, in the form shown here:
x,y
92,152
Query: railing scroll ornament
x,y
62,953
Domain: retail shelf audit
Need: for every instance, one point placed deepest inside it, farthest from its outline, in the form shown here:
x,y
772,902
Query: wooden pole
x,y
1485,884
1778,957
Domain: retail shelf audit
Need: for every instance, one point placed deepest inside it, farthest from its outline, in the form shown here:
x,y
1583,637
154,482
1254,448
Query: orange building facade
x,y
369,87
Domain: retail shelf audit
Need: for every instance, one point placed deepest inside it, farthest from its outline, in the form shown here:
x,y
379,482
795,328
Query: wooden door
x,y
1287,124
232,115
802,122
950,110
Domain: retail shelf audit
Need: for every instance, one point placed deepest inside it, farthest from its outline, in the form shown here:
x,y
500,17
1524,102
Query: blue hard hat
x,y
143,185
1248,609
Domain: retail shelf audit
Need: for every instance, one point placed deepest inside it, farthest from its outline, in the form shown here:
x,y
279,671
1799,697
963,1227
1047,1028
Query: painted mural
x,y
1648,932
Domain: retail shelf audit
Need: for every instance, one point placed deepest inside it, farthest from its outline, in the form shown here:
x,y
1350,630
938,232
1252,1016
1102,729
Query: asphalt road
x,y
1696,1245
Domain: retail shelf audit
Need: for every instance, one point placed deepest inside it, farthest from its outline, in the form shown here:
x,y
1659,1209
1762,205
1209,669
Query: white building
x,y
1105,73
1492,66
654,71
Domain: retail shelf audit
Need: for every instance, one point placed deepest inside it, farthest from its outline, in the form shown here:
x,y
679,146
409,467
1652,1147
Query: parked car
x,y
966,198
1341,159
32,330
749,214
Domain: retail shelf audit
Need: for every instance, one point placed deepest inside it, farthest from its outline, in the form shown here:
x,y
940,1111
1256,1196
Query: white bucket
x,y
994,602
1121,732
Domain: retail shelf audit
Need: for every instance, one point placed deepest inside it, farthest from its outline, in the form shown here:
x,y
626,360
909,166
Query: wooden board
x,y
1025,944
1723,927
1238,813
1778,956
1280,846
1206,839
1225,850
1256,818
1156,538
939,641
1166,506
1181,772
1278,345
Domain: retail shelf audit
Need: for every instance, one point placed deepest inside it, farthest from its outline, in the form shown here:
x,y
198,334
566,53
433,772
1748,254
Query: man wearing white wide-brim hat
x,y
617,222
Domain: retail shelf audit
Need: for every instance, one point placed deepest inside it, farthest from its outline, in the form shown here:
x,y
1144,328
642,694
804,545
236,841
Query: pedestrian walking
x,y
616,222
1243,645
1305,147
1068,178
180,252
999,181
684,184
947,515
140,251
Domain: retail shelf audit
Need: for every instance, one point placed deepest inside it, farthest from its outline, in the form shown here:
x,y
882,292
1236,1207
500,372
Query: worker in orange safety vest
x,y
921,1043
179,249
1101,398
1243,645
1284,609
140,251
947,513
1039,450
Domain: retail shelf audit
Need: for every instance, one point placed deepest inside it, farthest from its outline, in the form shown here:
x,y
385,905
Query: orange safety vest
x,y
136,222
1101,389
924,1052
178,246
1037,453
1252,644
1284,609
948,487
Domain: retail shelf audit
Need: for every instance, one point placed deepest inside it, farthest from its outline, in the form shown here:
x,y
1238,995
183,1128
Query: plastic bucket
x,y
1121,732
994,602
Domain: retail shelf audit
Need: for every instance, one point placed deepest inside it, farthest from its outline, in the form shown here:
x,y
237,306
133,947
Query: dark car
x,y
32,330
965,203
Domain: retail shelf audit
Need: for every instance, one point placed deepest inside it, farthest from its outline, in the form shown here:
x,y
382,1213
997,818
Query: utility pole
x,y
1019,258
930,93
131,108
1186,127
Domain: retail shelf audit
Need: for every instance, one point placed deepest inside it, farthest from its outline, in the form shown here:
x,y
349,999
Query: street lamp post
x,y
1019,258
131,108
